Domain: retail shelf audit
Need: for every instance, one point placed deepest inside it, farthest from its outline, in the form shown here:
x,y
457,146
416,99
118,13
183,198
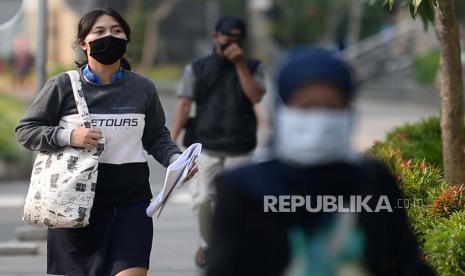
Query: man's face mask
x,y
107,50
313,136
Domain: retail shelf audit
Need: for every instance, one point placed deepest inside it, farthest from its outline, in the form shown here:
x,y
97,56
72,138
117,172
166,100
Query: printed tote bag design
x,y
62,187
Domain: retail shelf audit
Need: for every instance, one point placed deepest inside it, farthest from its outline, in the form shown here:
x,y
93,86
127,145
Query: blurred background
x,y
395,59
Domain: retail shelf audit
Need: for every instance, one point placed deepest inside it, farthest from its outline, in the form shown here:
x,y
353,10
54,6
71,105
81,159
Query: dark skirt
x,y
116,239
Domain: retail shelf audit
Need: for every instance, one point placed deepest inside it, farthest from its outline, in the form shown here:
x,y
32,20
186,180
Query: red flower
x,y
401,137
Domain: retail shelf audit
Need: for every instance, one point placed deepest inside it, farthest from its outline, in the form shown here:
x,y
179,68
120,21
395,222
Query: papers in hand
x,y
176,173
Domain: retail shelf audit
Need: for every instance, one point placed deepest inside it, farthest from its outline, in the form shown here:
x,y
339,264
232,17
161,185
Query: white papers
x,y
176,173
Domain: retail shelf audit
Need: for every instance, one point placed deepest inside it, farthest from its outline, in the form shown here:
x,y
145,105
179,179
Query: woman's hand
x,y
85,137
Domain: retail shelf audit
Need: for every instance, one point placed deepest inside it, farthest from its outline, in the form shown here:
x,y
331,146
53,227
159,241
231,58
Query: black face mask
x,y
107,50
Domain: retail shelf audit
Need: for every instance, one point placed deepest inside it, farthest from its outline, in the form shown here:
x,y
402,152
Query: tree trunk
x,y
355,21
451,93
152,30
260,29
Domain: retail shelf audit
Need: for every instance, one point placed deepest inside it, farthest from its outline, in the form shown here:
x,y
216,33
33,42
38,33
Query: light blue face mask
x,y
313,136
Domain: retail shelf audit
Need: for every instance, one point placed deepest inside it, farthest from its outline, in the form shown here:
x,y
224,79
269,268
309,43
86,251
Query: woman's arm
x,y
157,139
38,130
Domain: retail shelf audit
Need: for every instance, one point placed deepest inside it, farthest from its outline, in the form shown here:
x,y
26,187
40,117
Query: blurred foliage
x,y
445,245
54,70
425,67
305,21
451,200
416,142
233,8
299,21
136,20
413,154
374,19
422,8
11,111
165,73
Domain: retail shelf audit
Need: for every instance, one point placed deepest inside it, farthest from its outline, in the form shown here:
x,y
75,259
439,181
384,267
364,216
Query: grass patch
x,y
11,111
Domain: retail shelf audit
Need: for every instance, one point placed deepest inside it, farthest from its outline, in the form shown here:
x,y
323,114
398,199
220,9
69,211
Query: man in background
x,y
224,86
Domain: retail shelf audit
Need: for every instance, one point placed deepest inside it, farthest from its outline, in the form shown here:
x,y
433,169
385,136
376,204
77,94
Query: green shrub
x,y
425,68
416,142
11,110
418,179
451,200
445,245
413,153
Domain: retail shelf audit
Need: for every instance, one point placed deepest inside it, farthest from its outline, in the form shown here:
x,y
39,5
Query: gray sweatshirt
x,y
131,118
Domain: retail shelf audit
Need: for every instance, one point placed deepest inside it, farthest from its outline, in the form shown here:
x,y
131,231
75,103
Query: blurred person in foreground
x,y
224,86
258,230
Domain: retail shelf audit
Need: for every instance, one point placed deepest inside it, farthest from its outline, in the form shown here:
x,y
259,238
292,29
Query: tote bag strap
x,y
79,98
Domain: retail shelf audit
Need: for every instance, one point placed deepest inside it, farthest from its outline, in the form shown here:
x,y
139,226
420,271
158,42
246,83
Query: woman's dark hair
x,y
88,21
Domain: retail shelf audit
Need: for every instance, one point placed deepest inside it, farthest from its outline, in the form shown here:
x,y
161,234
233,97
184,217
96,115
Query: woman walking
x,y
126,111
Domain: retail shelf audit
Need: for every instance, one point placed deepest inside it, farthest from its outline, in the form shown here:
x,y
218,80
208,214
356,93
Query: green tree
x,y
325,22
152,32
443,16
145,18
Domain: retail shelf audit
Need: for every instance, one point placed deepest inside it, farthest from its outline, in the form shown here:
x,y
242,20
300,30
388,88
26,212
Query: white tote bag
x,y
62,188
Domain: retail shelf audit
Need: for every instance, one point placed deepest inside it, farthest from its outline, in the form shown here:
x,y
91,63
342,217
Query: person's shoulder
x,y
201,62
201,59
138,80
378,177
135,77
375,165
252,179
55,87
61,79
57,83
